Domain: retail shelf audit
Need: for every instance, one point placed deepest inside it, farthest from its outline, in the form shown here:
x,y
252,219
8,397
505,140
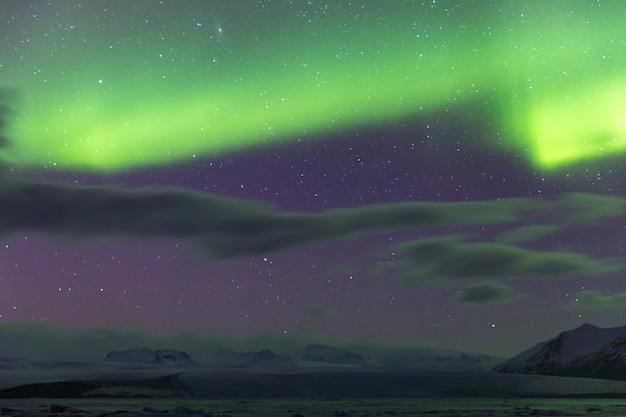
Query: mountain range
x,y
167,357
313,355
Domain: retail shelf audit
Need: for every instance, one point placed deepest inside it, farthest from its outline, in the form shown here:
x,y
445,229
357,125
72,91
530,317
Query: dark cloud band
x,y
223,227
485,294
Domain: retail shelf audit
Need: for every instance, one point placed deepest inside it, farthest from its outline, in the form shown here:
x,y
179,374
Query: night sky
x,y
436,174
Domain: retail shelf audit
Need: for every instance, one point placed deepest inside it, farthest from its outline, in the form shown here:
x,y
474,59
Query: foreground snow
x,y
406,407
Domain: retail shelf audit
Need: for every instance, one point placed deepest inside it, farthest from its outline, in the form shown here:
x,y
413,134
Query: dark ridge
x,y
84,389
64,389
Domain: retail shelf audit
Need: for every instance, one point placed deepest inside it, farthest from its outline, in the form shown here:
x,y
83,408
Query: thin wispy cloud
x,y
486,294
598,300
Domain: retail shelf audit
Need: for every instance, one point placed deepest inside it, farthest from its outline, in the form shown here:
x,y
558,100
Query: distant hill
x,y
165,357
252,359
313,355
333,355
587,351
417,358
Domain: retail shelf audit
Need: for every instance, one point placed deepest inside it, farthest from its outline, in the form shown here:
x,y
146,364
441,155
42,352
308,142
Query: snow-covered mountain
x,y
252,359
573,353
609,362
333,355
165,357
418,358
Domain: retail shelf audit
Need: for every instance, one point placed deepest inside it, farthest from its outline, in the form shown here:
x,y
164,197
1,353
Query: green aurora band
x,y
150,84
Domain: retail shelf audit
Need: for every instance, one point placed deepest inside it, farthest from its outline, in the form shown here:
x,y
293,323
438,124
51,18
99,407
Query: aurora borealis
x,y
437,173
107,87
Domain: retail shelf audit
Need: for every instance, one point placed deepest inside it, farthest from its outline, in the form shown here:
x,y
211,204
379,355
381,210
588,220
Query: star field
x,y
345,121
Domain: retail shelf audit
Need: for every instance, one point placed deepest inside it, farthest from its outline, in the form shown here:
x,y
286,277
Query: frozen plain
x,y
203,392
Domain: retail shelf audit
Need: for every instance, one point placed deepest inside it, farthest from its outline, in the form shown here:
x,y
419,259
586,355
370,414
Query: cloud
x,y
6,97
486,293
526,233
589,208
323,311
451,258
558,214
226,227
593,299
223,227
